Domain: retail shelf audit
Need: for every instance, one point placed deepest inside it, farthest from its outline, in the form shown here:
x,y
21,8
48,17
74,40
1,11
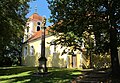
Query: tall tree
x,y
12,15
72,18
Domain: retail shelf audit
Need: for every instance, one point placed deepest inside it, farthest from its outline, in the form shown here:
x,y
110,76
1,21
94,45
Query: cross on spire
x,y
35,8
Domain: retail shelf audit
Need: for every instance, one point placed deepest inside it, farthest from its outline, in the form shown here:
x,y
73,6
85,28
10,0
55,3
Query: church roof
x,y
35,16
38,34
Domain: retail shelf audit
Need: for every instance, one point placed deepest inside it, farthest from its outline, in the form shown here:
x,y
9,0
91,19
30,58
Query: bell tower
x,y
33,25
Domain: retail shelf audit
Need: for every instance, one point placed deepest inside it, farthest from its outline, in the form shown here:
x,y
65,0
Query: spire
x,y
35,8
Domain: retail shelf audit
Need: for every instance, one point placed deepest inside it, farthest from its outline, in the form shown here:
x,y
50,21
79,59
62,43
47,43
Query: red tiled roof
x,y
35,35
38,34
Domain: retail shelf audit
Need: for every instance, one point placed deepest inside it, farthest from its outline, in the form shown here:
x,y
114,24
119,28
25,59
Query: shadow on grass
x,y
14,70
25,75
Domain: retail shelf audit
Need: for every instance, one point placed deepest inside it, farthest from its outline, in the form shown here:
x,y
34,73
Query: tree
x,y
74,17
12,15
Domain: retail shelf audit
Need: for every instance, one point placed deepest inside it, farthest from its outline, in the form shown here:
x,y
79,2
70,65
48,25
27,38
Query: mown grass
x,y
25,75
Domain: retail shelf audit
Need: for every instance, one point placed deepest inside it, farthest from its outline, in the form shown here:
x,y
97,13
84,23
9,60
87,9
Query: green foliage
x,y
75,17
12,15
101,61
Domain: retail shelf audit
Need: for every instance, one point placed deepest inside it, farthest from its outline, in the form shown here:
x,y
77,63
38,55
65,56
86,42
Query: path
x,y
93,76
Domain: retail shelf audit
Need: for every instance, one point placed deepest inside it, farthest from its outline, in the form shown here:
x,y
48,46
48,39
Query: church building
x,y
31,50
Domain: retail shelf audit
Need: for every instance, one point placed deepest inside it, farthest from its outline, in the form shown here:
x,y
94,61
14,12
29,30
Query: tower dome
x,y
36,17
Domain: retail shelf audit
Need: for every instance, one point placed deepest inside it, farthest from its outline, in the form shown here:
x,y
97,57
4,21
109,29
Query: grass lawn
x,y
25,75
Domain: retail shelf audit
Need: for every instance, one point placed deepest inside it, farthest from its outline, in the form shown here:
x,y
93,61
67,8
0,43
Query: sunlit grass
x,y
25,75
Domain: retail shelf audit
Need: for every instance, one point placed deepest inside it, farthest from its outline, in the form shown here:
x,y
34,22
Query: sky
x,y
42,9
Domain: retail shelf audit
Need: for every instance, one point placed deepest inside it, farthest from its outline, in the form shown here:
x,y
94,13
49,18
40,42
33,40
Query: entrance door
x,y
74,61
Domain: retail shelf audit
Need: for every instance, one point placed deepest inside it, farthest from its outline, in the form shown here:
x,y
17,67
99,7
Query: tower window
x,y
28,29
38,28
38,23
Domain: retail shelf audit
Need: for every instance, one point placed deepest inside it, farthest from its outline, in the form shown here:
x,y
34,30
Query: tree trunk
x,y
114,52
113,38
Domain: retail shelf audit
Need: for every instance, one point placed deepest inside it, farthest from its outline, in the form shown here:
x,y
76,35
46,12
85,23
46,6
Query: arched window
x,y
38,28
25,51
31,50
52,47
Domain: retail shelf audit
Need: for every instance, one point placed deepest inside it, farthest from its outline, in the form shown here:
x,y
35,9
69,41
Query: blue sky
x,y
42,9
